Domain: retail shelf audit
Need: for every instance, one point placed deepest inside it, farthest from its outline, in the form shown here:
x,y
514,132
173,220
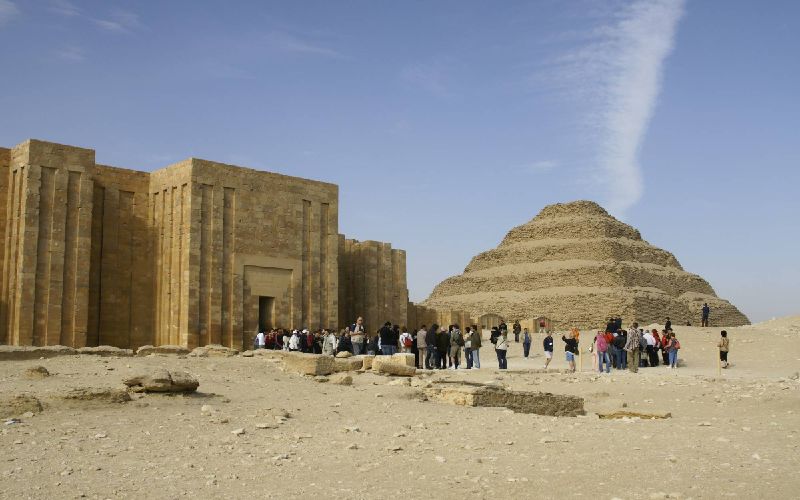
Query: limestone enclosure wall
x,y
192,254
372,283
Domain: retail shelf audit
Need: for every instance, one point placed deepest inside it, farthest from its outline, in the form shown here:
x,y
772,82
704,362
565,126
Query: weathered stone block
x,y
309,364
348,364
384,364
403,359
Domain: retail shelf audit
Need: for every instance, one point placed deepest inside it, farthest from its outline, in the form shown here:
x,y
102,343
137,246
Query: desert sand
x,y
254,430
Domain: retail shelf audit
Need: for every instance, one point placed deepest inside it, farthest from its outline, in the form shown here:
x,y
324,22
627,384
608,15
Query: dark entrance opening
x,y
266,307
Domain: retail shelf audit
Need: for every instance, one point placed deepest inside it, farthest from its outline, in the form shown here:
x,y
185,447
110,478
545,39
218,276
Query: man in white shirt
x,y
260,340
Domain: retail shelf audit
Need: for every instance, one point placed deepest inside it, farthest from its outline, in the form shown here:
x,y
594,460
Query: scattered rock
x,y
147,350
634,414
16,405
343,354
213,350
248,354
237,432
100,395
106,351
266,426
162,380
400,381
36,372
342,379
352,446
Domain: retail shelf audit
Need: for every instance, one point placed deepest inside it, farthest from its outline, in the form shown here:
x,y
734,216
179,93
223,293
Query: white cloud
x,y
71,54
431,77
64,8
119,21
7,10
286,42
542,166
616,76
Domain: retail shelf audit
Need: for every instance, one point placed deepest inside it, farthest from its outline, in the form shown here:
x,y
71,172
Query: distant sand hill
x,y
576,264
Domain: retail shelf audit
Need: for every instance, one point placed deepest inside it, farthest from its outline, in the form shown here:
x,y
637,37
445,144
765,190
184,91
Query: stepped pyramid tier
x,y
577,265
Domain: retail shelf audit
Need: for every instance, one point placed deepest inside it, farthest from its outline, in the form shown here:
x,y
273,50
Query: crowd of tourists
x,y
438,347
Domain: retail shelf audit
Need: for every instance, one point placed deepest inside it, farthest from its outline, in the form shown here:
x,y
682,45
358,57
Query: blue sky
x,y
446,123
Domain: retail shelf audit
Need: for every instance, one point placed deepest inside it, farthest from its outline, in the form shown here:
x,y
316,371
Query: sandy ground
x,y
731,436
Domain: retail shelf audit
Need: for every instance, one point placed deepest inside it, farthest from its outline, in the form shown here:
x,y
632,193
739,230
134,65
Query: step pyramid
x,y
577,265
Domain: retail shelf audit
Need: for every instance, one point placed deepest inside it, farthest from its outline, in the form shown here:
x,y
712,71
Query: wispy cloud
x,y
616,75
541,166
71,53
289,43
7,10
64,8
119,21
431,77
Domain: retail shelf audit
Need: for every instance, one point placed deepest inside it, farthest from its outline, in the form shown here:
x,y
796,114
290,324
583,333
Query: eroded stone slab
x,y
540,403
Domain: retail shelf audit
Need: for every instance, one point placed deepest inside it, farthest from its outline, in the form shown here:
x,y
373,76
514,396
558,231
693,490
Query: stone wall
x,y
372,283
419,315
192,254
44,298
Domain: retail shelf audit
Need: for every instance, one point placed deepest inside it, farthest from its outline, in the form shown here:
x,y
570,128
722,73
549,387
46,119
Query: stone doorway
x,y
266,313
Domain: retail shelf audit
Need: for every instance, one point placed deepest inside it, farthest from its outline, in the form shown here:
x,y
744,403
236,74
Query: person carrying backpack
x,y
406,341
601,348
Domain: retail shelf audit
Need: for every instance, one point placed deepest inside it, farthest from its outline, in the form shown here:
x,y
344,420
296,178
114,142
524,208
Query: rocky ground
x,y
252,429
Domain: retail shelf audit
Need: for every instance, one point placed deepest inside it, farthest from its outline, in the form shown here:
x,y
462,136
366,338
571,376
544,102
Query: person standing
x,y
570,349
468,347
261,340
673,347
706,313
548,348
668,324
475,352
422,347
387,342
501,349
517,329
442,348
406,341
430,340
526,343
456,341
724,345
601,348
632,346
328,343
357,330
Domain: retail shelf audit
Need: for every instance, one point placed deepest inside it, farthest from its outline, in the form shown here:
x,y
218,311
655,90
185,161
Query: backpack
x,y
677,344
602,345
407,342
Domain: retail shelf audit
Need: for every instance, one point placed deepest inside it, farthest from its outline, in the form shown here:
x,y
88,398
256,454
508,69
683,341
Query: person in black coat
x,y
430,340
387,340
